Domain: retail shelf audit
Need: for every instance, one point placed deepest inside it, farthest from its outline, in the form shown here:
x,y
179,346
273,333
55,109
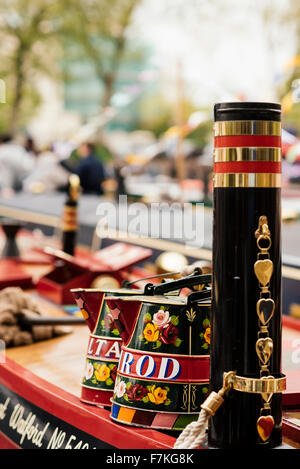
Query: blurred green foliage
x,y
35,33
202,135
155,114
28,33
291,120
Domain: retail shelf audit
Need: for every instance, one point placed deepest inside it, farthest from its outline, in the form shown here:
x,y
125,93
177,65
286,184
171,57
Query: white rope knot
x,y
194,433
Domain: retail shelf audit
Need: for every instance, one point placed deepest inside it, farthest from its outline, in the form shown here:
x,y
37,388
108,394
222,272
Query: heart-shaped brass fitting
x,y
267,396
265,309
265,425
264,349
263,270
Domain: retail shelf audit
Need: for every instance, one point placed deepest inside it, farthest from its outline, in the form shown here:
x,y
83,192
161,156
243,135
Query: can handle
x,y
204,294
127,283
185,282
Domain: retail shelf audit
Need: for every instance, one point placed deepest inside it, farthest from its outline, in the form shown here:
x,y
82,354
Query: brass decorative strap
x,y
247,154
268,384
247,180
247,128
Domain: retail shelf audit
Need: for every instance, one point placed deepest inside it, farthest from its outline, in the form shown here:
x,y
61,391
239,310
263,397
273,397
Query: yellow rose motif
x,y
102,372
151,332
207,335
157,395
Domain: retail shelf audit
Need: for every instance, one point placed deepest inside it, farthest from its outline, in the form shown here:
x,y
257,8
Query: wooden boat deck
x,y
59,360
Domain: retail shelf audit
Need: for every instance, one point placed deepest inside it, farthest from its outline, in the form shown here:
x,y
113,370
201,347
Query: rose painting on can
x,y
160,329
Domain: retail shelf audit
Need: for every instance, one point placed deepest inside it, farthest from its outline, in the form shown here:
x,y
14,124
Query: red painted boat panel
x,y
95,422
78,421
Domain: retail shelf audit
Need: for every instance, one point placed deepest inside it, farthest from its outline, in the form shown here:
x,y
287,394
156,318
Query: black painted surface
x,y
234,319
31,427
247,111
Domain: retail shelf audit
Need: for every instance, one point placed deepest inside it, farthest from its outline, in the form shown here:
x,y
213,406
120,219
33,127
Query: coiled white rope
x,y
195,433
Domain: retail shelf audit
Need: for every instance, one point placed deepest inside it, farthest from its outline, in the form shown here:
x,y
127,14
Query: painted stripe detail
x,y
126,414
115,411
247,180
247,154
159,368
164,420
247,141
183,421
143,419
248,167
146,419
249,127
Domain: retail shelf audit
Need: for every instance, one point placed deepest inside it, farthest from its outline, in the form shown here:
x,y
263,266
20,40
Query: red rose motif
x,y
136,392
169,334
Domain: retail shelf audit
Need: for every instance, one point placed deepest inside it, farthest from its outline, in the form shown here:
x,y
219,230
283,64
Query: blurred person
x,y
15,165
90,170
120,172
48,174
30,146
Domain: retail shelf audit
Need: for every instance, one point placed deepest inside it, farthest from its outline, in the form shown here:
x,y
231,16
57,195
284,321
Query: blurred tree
x,y
99,27
26,28
35,33
280,16
292,18
289,88
155,114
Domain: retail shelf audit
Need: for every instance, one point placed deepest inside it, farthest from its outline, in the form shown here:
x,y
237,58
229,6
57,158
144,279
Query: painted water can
x,y
104,344
163,372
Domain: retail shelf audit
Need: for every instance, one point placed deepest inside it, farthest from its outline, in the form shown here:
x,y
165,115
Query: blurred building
x,y
83,92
